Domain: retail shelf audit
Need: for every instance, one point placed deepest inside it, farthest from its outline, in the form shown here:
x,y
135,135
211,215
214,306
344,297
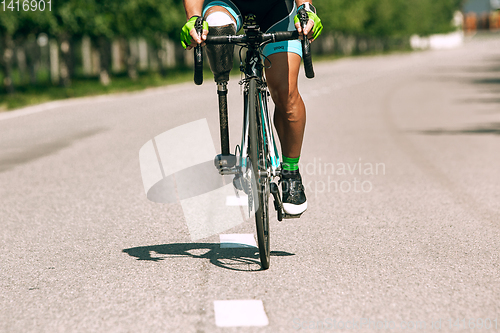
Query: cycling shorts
x,y
272,16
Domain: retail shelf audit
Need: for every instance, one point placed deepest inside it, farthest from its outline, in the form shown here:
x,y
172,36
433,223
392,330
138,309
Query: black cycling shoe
x,y
294,198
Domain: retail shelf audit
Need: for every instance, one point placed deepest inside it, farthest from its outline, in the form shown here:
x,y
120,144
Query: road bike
x,y
256,163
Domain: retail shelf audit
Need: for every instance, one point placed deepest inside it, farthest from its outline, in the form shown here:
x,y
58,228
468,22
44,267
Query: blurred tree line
x,y
75,34
387,18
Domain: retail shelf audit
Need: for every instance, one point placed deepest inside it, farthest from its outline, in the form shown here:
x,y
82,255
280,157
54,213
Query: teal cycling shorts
x,y
272,16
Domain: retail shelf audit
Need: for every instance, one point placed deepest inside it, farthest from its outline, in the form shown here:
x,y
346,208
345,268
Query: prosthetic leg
x,y
220,58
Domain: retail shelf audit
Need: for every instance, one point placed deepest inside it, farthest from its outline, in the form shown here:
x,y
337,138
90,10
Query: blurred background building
x,y
482,15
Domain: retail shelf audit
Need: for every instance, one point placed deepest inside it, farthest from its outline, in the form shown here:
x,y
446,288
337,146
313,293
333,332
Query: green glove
x,y
186,38
318,26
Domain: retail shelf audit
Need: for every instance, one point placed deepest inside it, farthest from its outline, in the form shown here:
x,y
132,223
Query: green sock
x,y
290,164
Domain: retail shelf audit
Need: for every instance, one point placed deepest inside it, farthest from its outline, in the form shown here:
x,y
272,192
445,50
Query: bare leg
x,y
290,112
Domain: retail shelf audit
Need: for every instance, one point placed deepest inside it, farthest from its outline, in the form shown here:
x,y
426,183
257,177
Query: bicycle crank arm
x,y
278,205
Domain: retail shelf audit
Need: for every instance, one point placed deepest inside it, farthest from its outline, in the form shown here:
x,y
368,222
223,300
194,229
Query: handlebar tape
x,y
198,55
306,45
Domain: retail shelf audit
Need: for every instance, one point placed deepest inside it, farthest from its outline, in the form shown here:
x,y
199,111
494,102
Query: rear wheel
x,y
259,167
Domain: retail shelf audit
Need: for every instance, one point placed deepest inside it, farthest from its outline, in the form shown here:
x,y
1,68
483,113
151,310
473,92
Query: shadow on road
x,y
493,128
490,66
30,152
488,81
238,259
471,69
481,100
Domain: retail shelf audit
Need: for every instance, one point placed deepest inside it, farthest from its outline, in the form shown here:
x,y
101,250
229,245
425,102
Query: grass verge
x,y
27,94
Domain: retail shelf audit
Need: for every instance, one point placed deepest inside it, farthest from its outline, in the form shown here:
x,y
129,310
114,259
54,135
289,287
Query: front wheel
x,y
259,168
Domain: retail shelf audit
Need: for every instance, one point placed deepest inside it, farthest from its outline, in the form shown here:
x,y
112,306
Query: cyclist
x,y
282,60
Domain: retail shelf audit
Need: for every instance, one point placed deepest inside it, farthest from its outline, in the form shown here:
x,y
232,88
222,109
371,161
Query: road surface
x,y
402,168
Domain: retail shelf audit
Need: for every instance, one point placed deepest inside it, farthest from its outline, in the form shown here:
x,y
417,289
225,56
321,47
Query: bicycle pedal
x,y
238,183
225,161
241,184
288,216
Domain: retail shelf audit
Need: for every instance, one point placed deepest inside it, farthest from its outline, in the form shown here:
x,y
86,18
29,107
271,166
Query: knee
x,y
218,16
287,101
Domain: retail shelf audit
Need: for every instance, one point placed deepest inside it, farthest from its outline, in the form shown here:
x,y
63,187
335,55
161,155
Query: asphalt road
x,y
402,168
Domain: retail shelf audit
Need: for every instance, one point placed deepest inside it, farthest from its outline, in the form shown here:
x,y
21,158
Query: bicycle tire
x,y
258,163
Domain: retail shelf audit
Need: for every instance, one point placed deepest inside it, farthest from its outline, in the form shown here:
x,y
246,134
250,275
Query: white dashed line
x,y
238,313
233,241
31,110
237,201
48,106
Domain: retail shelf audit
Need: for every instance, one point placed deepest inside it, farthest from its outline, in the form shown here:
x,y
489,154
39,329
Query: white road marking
x,y
31,110
47,106
54,105
238,313
237,201
234,241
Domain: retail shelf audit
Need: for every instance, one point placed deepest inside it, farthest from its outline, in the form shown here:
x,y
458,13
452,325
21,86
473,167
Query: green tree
x,y
150,19
387,17
15,27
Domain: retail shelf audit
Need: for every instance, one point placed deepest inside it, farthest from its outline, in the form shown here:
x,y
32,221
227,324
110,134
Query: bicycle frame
x,y
257,142
253,68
